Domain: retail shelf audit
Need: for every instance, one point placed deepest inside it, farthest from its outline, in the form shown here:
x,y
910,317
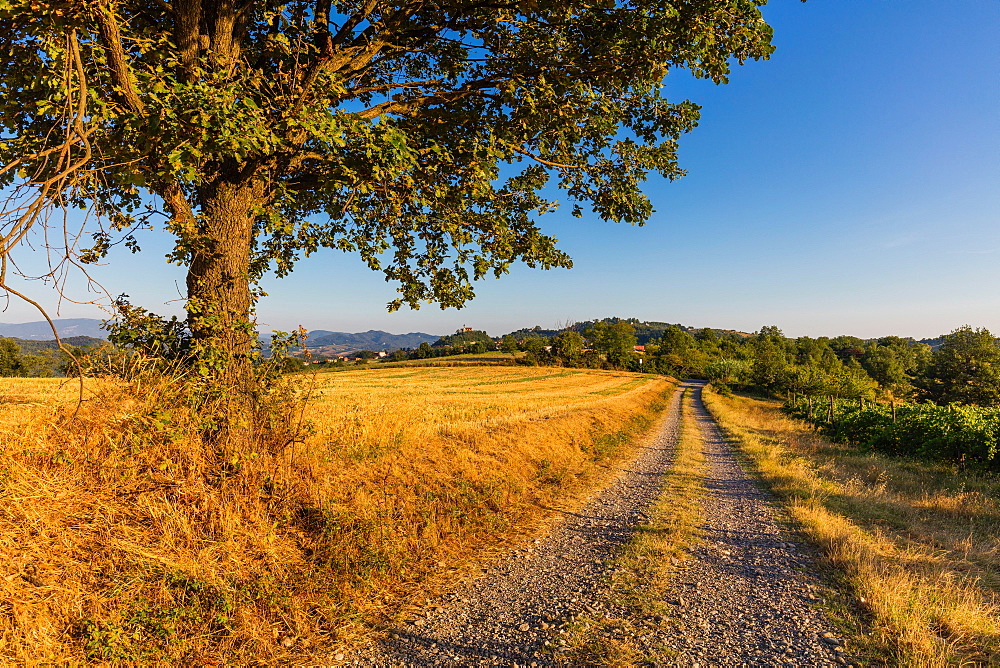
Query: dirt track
x,y
739,601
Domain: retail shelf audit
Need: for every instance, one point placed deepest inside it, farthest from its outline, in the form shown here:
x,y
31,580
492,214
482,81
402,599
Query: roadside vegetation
x,y
915,542
126,537
968,436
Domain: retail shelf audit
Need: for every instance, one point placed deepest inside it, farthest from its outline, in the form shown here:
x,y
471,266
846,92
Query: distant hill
x,y
526,332
34,345
319,338
67,327
933,343
644,331
463,338
373,339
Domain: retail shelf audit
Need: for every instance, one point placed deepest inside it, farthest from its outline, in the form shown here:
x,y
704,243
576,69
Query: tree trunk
x,y
218,283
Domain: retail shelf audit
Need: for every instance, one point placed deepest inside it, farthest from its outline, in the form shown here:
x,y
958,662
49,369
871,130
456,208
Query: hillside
x,y
645,331
34,346
323,342
373,339
67,327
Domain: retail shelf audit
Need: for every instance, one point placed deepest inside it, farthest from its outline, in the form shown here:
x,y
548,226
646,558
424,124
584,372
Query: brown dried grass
x,y
125,538
917,542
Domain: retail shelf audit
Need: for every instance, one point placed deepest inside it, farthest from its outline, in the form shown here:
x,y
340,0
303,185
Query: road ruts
x,y
504,617
744,599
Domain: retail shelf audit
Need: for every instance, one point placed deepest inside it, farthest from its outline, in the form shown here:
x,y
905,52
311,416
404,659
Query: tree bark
x,y
220,303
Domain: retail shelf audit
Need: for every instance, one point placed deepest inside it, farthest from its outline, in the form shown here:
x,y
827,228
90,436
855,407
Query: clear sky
x,y
849,185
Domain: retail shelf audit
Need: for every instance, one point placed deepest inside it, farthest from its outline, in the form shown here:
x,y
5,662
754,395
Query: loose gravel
x,y
739,602
746,599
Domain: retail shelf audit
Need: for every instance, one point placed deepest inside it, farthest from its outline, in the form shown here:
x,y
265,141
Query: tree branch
x,y
543,161
121,73
353,22
408,106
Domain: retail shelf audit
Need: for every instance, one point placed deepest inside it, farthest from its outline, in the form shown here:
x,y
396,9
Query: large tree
x,y
894,362
965,368
616,340
770,359
417,134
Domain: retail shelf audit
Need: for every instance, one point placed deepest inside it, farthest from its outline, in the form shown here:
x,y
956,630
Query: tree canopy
x,y
419,135
966,368
616,340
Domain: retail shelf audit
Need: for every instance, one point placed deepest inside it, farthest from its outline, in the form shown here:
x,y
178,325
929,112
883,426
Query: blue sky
x,y
849,185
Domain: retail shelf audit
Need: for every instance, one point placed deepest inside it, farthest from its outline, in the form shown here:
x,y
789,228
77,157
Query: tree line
x,y
606,344
42,359
964,366
961,367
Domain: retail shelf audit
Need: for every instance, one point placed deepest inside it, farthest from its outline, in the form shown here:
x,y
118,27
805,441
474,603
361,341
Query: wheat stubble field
x,y
122,539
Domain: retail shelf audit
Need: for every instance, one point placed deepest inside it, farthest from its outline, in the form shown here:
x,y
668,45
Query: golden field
x,y
125,538
917,543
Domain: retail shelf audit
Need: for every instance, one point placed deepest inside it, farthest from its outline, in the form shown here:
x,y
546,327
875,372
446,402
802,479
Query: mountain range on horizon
x,y
373,339
91,327
67,327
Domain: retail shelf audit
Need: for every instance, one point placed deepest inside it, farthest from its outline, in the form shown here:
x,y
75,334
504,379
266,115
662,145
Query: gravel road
x,y
739,600
746,598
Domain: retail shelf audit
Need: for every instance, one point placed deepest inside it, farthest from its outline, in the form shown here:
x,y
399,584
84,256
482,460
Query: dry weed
x,y
125,538
918,542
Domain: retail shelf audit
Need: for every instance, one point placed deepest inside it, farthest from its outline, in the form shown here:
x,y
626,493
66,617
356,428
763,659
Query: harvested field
x,y
123,537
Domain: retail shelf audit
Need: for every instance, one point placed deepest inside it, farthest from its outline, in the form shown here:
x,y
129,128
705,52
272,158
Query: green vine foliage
x,y
135,331
418,135
966,436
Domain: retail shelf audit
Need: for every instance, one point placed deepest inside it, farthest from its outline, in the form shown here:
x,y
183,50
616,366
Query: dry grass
x,y
24,399
918,544
124,538
491,358
648,563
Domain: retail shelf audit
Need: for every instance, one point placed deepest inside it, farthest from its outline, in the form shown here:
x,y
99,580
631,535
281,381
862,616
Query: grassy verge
x,y
125,538
644,569
916,543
